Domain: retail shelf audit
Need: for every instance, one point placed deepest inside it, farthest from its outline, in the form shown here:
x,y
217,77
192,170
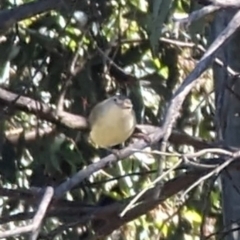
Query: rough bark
x,y
227,89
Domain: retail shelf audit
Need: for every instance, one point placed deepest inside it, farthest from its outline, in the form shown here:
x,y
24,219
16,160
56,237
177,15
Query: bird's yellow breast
x,y
114,127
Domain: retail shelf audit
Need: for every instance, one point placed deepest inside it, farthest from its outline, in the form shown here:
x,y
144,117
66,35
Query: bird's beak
x,y
127,104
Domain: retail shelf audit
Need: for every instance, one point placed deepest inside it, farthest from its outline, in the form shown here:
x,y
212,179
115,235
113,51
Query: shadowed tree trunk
x,y
227,89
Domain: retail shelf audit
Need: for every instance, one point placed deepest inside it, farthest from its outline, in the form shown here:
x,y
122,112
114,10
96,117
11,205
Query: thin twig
x,y
196,15
38,218
134,200
189,155
208,175
35,226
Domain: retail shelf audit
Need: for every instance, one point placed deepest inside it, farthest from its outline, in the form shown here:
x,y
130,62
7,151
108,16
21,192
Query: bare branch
x,y
16,231
42,110
10,17
221,3
34,227
192,80
217,170
145,203
15,137
198,14
135,199
94,167
37,220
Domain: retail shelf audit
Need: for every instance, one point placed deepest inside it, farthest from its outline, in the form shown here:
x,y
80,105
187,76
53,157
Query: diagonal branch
x,y
192,80
10,17
34,227
112,211
104,162
198,14
42,110
38,218
221,3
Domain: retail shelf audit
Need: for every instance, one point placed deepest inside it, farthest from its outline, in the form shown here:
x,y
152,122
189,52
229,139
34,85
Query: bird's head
x,y
122,102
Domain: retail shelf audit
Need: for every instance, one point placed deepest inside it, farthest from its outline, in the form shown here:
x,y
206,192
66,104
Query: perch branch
x,y
42,110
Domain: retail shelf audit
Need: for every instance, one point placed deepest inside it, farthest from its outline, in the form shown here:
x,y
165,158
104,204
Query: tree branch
x,y
221,3
29,136
42,110
73,121
38,218
173,110
10,17
34,227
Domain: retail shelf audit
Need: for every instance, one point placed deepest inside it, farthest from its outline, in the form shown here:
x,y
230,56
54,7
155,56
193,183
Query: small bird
x,y
112,121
